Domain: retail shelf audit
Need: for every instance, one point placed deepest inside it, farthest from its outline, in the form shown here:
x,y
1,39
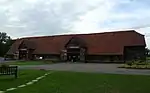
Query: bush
x,y
130,63
136,62
140,62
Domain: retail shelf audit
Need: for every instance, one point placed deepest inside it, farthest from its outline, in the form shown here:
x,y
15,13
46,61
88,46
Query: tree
x,y
147,51
5,43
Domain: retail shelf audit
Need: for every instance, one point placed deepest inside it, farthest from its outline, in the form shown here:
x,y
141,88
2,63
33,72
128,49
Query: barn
x,y
117,46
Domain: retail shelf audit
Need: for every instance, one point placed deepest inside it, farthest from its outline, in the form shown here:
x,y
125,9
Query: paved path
x,y
1,59
88,67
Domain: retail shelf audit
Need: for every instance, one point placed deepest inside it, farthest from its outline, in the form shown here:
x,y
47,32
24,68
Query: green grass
x,y
77,82
24,76
29,63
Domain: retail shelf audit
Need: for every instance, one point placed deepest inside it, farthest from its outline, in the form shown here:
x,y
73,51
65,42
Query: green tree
x,y
5,43
147,51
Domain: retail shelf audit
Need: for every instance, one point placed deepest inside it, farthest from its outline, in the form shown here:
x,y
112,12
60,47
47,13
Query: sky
x,y
27,18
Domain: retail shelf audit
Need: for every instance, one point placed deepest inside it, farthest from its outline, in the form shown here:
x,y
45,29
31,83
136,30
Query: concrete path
x,y
1,59
88,67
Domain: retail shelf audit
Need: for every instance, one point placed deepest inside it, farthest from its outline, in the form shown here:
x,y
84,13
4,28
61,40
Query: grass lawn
x,y
29,63
78,82
23,77
148,58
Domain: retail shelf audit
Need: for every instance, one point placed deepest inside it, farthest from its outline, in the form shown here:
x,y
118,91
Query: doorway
x,y
73,55
23,54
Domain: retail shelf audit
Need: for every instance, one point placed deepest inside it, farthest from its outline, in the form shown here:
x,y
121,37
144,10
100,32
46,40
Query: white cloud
x,y
106,17
92,20
46,17
15,26
43,16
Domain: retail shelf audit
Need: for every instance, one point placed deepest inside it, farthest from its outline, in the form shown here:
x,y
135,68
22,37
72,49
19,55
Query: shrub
x,y
130,63
140,62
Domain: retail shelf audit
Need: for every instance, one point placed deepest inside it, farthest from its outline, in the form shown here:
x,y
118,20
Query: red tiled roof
x,y
96,43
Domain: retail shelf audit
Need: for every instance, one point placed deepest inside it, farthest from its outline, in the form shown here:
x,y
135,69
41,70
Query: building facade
x,y
117,46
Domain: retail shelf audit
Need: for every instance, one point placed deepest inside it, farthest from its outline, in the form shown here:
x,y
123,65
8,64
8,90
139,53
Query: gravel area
x,y
88,67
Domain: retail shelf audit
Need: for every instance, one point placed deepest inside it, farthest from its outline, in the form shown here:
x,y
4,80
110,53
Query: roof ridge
x,y
77,34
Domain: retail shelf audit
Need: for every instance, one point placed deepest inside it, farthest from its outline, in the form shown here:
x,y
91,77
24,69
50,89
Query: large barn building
x,y
119,46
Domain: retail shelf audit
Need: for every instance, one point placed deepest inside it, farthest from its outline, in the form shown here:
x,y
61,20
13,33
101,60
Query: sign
x,y
23,49
74,47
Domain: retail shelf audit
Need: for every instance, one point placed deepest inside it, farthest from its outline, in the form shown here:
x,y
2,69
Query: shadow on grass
x,y
7,78
10,78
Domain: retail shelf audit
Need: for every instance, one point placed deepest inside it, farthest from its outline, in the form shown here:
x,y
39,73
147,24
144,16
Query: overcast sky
x,y
21,18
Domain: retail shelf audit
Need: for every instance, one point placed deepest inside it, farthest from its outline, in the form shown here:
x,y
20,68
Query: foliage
x,y
130,63
136,64
5,43
147,51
